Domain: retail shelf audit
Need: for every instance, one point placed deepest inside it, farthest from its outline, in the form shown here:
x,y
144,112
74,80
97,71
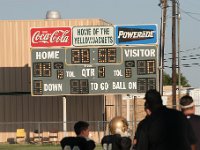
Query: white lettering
x,y
70,73
104,86
140,52
47,55
118,85
94,86
132,85
117,73
135,35
88,72
53,87
55,37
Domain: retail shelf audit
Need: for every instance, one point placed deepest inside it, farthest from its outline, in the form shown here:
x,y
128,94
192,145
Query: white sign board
x,y
93,36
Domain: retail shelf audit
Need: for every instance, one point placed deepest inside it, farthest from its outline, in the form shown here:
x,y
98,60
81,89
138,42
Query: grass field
x,y
34,147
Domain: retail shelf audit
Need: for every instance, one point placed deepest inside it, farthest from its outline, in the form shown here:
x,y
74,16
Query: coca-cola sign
x,y
50,37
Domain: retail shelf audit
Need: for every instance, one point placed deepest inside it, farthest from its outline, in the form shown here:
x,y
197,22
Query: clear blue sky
x,y
122,12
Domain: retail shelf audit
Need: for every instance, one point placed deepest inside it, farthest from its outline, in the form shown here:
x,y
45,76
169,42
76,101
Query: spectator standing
x,y
140,129
165,129
188,108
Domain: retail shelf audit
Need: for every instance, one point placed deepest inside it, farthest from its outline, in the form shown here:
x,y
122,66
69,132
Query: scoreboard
x,y
94,70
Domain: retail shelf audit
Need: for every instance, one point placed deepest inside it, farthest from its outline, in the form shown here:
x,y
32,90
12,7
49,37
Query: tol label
x,y
117,73
70,73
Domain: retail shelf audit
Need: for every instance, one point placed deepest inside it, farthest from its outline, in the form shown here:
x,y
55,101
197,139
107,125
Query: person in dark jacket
x,y
188,108
165,129
81,141
139,131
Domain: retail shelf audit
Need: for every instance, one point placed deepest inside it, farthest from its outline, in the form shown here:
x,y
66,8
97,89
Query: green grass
x,y
34,147
28,147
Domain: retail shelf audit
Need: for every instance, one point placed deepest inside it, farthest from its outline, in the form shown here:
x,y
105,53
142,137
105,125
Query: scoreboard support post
x,y
64,115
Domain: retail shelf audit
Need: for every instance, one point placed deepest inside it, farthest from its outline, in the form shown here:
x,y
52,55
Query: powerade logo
x,y
146,34
134,34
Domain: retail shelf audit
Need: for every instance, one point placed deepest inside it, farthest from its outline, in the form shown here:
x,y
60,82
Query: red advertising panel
x,y
50,37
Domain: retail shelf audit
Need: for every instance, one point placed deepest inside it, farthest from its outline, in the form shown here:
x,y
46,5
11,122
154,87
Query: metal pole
x,y
104,114
128,110
174,54
39,132
64,115
134,105
98,128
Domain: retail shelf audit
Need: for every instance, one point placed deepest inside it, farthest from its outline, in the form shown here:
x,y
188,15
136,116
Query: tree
x,y
167,80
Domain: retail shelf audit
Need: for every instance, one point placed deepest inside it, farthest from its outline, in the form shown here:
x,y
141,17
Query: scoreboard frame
x,y
94,70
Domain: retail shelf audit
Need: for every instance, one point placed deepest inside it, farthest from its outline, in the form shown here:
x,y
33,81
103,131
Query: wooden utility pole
x,y
163,4
174,53
179,60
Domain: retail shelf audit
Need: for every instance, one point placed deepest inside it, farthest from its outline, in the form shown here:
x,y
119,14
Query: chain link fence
x,y
36,132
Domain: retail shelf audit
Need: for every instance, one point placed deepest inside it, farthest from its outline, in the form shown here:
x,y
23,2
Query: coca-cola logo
x,y
45,37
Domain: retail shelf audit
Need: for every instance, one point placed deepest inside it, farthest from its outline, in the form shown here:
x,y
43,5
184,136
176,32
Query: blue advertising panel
x,y
138,34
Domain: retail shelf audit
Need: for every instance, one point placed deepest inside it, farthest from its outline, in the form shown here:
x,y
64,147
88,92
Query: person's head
x,y
187,105
153,100
81,128
119,125
146,109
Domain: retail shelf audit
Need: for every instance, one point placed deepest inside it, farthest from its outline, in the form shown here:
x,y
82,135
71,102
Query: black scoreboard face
x,y
96,70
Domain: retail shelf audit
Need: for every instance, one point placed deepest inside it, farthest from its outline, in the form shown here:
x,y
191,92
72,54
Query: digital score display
x,y
96,70
42,69
80,56
107,55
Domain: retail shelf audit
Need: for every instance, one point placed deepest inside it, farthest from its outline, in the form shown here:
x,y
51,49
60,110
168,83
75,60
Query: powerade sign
x,y
141,34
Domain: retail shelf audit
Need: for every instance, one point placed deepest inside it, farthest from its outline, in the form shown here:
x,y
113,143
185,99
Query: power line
x,y
192,57
183,51
193,13
184,66
190,14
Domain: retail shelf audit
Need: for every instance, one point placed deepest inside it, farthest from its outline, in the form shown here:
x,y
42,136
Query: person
x,y
81,141
120,135
188,108
165,128
141,125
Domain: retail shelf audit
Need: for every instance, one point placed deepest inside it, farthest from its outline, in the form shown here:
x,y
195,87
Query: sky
x,y
124,12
